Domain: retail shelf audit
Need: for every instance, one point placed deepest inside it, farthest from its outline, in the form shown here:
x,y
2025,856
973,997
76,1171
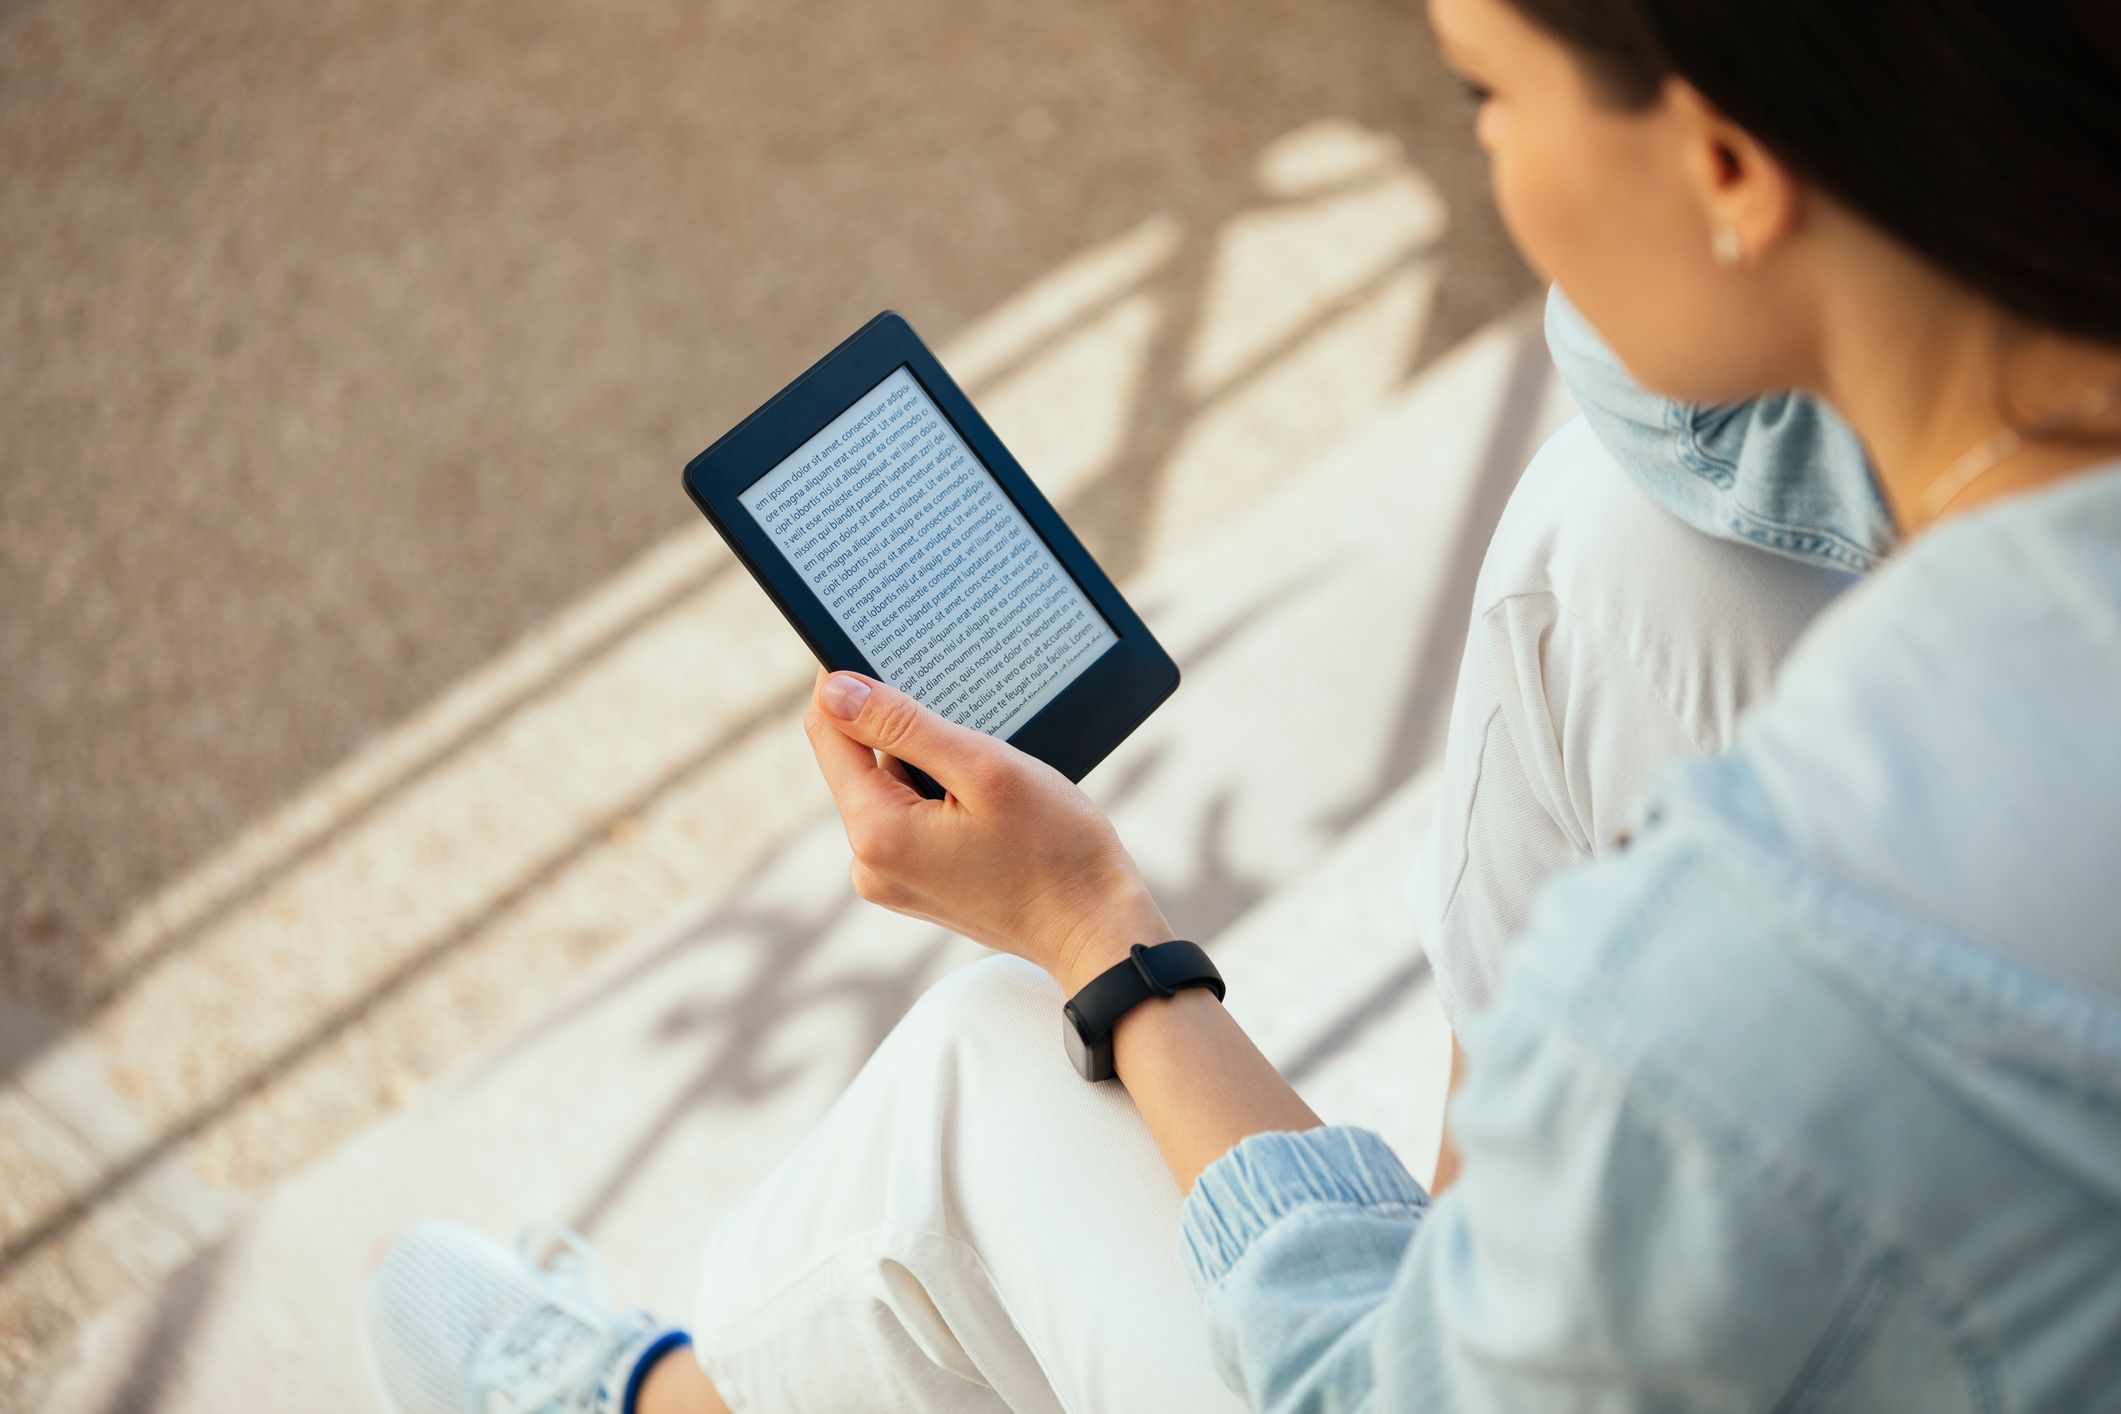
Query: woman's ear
x,y
1750,201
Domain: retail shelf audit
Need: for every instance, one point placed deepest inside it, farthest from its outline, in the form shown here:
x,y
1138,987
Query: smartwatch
x,y
1088,1017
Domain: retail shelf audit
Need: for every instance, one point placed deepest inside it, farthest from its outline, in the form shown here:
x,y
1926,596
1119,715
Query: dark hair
x,y
1985,134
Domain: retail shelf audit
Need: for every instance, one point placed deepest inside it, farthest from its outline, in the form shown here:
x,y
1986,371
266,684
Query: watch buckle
x,y
1156,984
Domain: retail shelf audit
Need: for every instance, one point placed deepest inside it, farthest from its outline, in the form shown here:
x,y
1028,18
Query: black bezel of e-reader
x,y
1089,717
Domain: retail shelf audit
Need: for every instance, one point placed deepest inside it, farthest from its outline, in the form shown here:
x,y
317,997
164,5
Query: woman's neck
x,y
1926,382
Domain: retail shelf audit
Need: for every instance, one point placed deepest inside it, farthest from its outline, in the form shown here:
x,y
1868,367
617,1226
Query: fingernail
x,y
844,695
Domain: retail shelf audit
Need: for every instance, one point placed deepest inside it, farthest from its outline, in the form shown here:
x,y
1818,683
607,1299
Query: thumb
x,y
879,715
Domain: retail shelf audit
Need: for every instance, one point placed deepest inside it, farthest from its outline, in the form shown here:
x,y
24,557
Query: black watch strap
x,y
1161,971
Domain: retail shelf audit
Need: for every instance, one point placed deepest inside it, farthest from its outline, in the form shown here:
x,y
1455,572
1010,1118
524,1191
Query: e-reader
x,y
902,541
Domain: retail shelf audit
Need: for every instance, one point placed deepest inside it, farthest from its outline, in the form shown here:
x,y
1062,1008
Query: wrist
x,y
1105,940
1178,1013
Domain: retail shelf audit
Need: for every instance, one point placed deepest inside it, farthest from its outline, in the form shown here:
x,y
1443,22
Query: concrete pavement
x,y
1275,803
371,680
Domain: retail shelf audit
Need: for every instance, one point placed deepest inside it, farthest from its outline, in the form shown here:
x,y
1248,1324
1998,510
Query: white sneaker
x,y
455,1323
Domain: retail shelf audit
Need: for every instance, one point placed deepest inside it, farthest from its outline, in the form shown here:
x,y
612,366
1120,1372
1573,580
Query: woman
x,y
1809,1096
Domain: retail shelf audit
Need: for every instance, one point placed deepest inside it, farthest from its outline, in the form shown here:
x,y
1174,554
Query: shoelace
x,y
574,1286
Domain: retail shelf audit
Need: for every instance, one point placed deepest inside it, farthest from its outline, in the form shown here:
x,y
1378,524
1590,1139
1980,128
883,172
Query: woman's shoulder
x,y
1859,970
1948,734
1909,845
1728,1019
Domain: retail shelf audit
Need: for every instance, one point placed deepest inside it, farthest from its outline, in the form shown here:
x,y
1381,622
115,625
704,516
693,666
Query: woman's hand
x,y
1015,856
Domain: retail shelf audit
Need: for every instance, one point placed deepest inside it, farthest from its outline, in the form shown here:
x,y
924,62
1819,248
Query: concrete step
x,y
1274,804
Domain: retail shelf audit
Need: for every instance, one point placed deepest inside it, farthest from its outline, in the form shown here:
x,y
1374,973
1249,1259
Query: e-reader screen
x,y
927,564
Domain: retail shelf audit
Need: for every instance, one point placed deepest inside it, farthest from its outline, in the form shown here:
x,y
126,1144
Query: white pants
x,y
972,1227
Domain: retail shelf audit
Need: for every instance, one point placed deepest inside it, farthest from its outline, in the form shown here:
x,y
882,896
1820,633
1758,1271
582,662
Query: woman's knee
x,y
1705,619
997,1000
1571,494
1582,566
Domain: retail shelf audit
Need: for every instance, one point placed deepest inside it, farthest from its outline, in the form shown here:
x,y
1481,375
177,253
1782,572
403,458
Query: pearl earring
x,y
1729,254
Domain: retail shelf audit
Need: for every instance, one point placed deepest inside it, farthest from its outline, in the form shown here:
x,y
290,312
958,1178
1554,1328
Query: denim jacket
x,y
1810,1098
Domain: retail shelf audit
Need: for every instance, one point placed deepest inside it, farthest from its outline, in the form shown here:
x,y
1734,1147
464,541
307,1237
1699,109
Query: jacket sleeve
x,y
1612,1244
1782,472
1293,1240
